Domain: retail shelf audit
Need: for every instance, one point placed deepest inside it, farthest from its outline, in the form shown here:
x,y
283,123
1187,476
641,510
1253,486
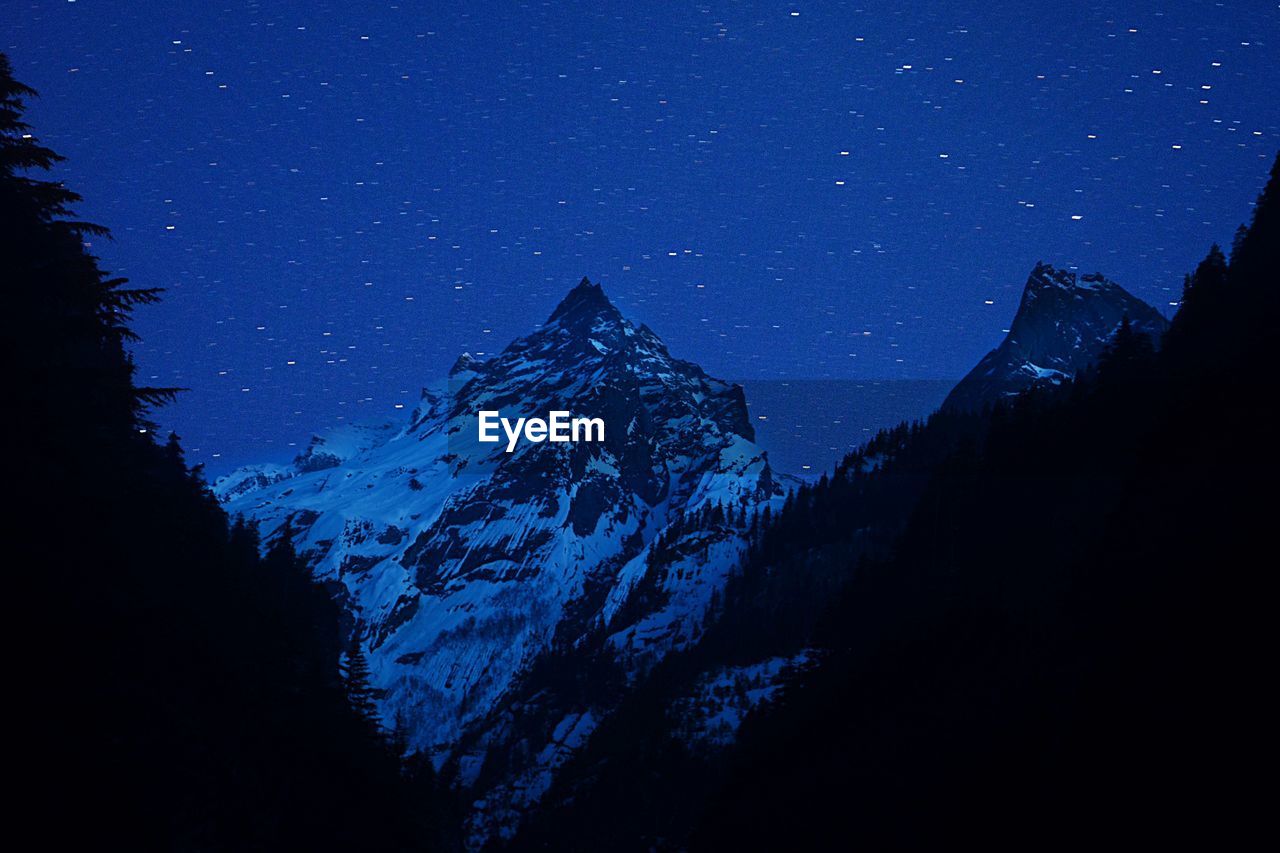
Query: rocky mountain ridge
x,y
469,573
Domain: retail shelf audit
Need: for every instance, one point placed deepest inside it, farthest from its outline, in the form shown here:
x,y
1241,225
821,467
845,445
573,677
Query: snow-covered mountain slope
x,y
483,583
1064,322
709,717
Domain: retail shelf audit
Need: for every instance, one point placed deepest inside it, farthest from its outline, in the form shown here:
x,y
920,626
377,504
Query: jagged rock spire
x,y
587,300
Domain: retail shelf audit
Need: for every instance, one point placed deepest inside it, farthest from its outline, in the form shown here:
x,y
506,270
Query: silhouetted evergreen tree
x,y
1064,643
359,692
1039,626
189,687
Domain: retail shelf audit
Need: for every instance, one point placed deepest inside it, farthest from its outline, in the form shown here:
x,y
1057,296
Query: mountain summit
x,y
1064,322
478,580
584,302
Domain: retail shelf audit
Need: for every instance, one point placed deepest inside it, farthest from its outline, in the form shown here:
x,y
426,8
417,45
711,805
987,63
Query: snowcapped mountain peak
x,y
463,567
1063,323
466,363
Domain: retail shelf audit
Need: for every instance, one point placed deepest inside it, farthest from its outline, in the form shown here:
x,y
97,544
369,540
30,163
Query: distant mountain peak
x,y
1064,322
466,362
1045,276
583,302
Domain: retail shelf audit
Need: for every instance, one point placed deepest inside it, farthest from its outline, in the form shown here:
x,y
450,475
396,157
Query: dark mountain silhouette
x,y
1031,626
1063,324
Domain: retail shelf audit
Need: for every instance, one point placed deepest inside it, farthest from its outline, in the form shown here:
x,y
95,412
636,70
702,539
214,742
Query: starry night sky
x,y
340,202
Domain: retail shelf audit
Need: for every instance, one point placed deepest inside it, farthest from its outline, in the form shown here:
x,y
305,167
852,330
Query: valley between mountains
x,y
508,602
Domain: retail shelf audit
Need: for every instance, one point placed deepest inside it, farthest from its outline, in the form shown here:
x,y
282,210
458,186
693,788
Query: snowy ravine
x,y
507,600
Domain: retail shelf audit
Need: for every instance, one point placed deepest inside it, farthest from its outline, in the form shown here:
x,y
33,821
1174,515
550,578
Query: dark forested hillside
x,y
188,690
1039,626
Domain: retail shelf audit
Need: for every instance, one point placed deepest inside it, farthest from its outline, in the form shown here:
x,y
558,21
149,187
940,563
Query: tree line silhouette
x,y
187,688
1039,626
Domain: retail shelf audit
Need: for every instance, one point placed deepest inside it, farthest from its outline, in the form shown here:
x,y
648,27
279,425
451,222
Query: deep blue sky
x,y
339,202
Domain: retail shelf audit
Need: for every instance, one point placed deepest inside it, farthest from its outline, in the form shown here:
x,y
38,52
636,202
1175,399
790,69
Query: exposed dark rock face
x,y
1063,324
